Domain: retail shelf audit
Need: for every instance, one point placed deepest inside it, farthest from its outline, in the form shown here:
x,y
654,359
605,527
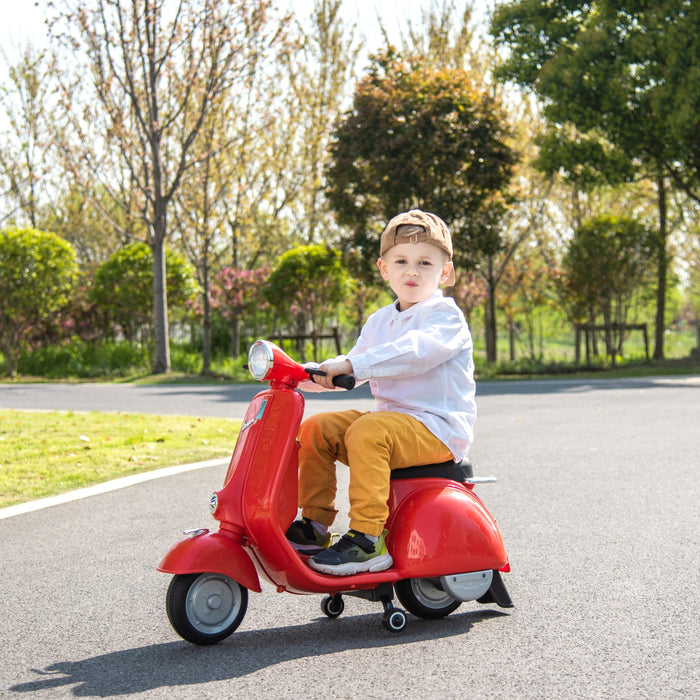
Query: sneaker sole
x,y
380,563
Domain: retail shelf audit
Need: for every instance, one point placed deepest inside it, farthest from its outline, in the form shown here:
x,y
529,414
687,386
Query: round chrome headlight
x,y
260,359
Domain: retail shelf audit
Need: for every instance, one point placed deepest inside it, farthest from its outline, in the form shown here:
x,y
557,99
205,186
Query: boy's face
x,y
414,271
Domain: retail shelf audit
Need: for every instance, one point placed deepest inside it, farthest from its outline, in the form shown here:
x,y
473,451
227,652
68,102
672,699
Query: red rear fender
x,y
443,528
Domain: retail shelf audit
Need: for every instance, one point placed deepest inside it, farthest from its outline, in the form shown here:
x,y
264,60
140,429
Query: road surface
x,y
597,500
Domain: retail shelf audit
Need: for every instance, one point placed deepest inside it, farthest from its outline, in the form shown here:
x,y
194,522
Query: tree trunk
x,y
206,321
490,316
160,309
236,338
9,350
661,270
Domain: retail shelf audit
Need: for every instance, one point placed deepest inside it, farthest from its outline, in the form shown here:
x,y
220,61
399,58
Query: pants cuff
x,y
320,515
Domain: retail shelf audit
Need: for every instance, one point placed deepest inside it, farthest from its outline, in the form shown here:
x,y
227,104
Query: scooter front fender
x,y
215,552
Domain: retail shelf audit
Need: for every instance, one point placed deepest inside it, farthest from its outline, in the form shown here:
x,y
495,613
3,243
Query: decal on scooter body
x,y
259,415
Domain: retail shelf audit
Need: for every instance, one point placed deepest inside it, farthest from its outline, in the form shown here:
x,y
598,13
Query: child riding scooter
x,y
421,533
417,355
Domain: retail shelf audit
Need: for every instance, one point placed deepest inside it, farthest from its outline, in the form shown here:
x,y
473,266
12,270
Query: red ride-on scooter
x,y
444,542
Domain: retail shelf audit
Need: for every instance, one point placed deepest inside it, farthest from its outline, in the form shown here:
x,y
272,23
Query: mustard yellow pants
x,y
371,444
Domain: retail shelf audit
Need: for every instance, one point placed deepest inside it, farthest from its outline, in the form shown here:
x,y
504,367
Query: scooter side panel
x,y
211,552
249,433
271,488
438,528
267,437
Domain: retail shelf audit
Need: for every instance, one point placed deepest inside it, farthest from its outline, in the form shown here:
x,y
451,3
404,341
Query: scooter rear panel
x,y
439,527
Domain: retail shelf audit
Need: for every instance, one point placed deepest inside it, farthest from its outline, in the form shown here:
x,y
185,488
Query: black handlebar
x,y
343,381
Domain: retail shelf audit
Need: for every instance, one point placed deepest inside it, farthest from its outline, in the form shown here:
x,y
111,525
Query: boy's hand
x,y
332,368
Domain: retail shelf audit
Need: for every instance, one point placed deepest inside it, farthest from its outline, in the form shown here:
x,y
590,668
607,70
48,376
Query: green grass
x,y
47,453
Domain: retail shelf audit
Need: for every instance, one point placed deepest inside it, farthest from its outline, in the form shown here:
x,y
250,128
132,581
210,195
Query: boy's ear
x,y
447,271
382,268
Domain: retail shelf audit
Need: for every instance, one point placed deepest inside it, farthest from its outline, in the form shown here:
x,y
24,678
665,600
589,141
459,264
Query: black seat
x,y
456,471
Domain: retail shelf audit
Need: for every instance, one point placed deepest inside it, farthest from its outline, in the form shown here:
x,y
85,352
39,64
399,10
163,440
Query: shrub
x,y
84,360
37,274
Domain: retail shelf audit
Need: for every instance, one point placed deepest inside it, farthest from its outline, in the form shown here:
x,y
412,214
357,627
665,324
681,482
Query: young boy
x,y
417,355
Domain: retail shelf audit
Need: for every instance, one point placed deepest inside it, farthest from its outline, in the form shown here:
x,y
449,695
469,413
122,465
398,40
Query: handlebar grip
x,y
344,381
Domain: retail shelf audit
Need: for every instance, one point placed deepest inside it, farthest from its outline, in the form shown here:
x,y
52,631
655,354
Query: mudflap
x,y
212,552
497,593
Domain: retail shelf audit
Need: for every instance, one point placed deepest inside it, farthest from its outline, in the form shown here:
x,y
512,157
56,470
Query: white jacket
x,y
419,362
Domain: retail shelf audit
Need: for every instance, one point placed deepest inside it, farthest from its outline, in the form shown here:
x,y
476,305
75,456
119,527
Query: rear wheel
x,y
425,598
205,608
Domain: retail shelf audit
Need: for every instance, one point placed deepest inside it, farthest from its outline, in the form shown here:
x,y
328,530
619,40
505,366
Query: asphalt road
x,y
597,500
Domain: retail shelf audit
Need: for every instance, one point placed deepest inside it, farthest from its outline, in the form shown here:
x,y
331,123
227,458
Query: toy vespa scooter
x,y
445,544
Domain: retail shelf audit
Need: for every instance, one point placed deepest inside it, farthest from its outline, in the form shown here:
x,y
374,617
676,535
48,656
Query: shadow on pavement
x,y
182,664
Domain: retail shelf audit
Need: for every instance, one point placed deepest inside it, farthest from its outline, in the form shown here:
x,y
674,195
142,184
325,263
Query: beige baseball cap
x,y
416,226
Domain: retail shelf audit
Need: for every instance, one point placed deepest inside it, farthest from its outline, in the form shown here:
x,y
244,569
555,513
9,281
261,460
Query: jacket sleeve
x,y
415,352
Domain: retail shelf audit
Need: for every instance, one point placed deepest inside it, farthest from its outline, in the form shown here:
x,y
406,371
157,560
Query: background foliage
x,y
559,141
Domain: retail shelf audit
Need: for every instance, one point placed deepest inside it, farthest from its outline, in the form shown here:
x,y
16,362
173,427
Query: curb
x,y
106,487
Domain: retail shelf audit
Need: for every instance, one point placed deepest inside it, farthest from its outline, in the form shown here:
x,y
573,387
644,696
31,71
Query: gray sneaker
x,y
306,538
353,554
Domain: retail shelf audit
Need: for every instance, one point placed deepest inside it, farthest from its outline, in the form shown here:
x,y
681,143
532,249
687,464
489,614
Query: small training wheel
x,y
333,606
394,620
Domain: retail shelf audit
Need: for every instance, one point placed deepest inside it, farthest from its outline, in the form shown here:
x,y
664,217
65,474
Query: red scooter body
x,y
438,528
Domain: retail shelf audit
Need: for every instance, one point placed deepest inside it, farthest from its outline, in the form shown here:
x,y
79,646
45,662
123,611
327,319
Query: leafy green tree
x,y
607,262
421,136
620,85
123,288
306,288
37,274
150,71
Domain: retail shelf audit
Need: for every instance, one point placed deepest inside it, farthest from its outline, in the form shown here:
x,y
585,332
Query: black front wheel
x,y
394,620
205,608
425,598
333,605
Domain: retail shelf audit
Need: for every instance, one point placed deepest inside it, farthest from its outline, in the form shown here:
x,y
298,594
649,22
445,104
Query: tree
x,y
322,70
524,295
418,136
626,76
124,283
91,221
423,136
608,260
239,295
37,273
306,288
154,69
23,140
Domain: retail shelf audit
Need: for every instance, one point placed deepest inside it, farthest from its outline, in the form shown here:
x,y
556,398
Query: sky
x,y
22,20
